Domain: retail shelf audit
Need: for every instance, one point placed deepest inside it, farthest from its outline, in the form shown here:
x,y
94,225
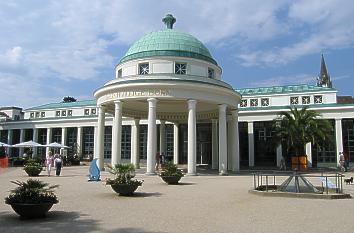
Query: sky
x,y
51,49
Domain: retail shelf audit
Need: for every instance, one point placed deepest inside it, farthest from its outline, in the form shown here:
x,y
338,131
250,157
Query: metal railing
x,y
268,180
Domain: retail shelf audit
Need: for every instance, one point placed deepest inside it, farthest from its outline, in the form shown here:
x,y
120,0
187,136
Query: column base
x,y
191,174
222,173
150,173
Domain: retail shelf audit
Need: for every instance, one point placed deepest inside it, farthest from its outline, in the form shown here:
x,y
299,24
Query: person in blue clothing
x,y
58,163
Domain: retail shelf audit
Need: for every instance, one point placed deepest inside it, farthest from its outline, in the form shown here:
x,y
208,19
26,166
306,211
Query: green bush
x,y
32,168
123,174
32,192
171,170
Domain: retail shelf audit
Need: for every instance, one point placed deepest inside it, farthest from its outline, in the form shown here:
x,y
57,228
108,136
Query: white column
x,y
309,154
135,149
9,140
339,139
100,138
22,139
162,137
229,142
117,133
63,136
79,141
279,152
192,137
250,145
215,145
151,140
35,139
95,132
235,151
175,143
222,140
49,139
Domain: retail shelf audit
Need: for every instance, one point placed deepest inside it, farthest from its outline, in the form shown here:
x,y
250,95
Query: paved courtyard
x,y
205,203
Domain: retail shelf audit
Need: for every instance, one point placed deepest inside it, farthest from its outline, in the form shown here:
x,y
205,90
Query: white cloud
x,y
11,56
316,25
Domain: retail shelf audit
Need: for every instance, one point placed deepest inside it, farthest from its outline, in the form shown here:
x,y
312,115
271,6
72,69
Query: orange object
x,y
4,163
299,163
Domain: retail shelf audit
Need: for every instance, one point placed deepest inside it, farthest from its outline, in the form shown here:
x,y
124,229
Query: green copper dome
x,y
168,42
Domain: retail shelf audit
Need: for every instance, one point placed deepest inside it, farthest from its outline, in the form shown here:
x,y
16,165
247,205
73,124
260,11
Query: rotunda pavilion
x,y
170,76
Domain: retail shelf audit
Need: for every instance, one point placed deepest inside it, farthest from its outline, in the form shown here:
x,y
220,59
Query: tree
x,y
299,127
68,99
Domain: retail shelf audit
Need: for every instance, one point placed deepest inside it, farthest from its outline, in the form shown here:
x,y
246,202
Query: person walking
x,y
157,158
58,162
346,161
341,162
49,162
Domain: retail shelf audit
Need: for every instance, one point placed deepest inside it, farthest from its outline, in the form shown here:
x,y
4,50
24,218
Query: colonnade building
x,y
168,97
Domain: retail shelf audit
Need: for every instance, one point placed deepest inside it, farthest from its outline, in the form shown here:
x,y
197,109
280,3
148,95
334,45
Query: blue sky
x,y
51,49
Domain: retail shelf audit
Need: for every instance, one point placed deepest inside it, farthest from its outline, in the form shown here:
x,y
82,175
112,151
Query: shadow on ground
x,y
55,221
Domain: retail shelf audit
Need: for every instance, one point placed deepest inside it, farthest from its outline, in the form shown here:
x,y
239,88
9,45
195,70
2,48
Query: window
x,y
37,114
210,73
63,113
42,114
119,73
180,68
294,100
93,111
57,113
254,102
144,68
70,112
318,99
32,115
243,103
265,102
87,112
306,100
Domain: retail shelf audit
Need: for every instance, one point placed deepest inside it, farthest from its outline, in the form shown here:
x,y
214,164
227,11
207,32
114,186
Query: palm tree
x,y
299,127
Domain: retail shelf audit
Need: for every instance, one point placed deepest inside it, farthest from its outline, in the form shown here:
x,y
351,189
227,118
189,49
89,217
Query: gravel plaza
x,y
203,203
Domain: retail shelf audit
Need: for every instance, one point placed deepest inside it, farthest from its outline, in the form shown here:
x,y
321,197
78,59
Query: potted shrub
x,y
170,174
123,182
32,199
32,168
298,127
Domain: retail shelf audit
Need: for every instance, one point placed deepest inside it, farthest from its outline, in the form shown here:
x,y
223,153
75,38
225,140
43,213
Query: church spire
x,y
324,79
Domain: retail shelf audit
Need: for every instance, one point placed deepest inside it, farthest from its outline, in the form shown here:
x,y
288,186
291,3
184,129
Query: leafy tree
x,y
68,99
299,127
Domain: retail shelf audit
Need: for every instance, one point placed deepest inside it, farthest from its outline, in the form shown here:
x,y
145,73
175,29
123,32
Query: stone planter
x,y
33,172
125,189
31,210
171,179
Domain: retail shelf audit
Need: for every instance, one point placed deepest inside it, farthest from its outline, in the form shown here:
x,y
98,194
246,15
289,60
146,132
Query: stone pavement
x,y
205,203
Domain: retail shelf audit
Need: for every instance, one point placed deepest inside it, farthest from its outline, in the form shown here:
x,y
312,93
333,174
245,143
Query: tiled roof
x,y
65,105
282,89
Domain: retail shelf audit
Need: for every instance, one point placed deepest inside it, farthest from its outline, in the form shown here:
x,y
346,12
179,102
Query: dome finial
x,y
169,20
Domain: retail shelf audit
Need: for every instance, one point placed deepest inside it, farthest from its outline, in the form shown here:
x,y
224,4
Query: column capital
x,y
101,108
152,102
162,121
214,120
222,107
136,121
191,104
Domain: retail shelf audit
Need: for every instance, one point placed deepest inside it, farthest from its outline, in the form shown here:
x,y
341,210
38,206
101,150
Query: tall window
x,y
144,68
107,152
180,68
88,139
126,142
210,73
119,73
